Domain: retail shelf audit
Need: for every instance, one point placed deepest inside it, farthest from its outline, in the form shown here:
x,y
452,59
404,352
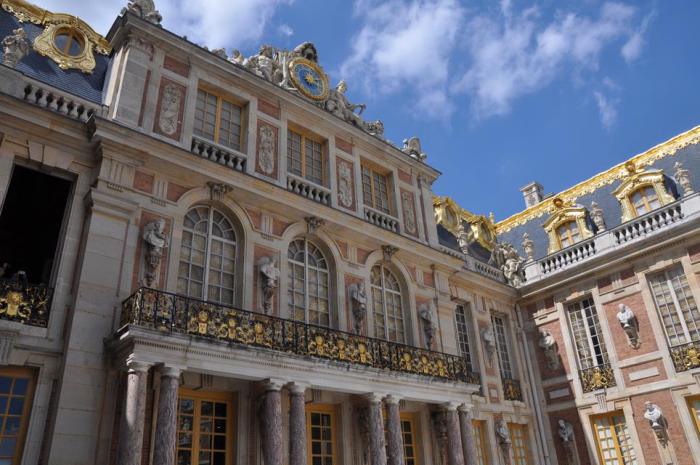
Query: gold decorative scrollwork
x,y
480,228
24,303
599,377
686,357
512,390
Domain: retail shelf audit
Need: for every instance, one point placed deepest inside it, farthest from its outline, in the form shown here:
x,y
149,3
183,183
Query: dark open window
x,y
30,223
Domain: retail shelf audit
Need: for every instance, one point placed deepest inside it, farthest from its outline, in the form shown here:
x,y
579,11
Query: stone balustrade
x,y
574,254
308,189
223,156
383,220
647,224
486,270
59,102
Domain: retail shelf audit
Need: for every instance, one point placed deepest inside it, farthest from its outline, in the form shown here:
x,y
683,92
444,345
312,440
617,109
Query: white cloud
x,y
515,55
285,30
98,14
406,44
607,109
633,47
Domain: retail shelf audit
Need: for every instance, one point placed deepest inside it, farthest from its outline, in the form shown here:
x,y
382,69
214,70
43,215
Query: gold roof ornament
x,y
67,39
451,216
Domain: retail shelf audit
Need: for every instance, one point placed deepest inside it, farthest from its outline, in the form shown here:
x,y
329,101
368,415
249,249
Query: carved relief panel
x,y
171,105
346,183
266,149
408,208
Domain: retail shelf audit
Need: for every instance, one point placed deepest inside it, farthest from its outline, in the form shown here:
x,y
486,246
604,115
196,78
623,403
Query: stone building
x,y
215,259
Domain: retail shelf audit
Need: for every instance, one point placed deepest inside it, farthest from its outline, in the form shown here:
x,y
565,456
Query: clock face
x,y
309,79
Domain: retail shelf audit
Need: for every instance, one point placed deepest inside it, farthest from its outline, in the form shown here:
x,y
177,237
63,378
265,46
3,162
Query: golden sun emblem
x,y
309,79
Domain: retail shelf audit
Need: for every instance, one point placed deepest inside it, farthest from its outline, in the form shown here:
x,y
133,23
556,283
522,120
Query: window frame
x,y
307,268
503,347
377,171
481,442
324,409
305,135
668,282
464,337
694,412
412,418
221,97
581,311
521,455
25,417
610,417
569,234
383,289
643,190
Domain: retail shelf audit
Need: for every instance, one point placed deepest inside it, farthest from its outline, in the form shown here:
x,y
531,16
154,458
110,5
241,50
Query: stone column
x,y
133,415
377,449
455,455
271,422
394,436
467,429
166,422
297,424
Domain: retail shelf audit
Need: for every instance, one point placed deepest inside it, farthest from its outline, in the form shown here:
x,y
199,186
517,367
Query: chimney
x,y
532,193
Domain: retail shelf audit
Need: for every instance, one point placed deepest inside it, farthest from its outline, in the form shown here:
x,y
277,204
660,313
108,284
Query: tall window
x,y
462,327
518,436
568,234
305,157
386,302
588,337
408,433
482,448
500,332
644,200
321,434
375,189
676,306
218,120
204,428
16,391
308,279
207,256
613,440
694,404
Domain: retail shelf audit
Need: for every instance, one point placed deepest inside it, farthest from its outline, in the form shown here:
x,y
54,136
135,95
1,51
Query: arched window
x,y
207,256
644,200
568,234
308,283
386,302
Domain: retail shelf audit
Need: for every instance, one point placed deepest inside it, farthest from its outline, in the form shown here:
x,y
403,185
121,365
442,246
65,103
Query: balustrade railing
x,y
597,377
383,220
177,314
309,190
686,356
648,223
25,303
568,256
60,103
512,389
210,151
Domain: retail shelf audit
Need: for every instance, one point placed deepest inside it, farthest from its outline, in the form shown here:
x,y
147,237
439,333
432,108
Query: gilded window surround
x,y
636,180
449,215
565,214
54,22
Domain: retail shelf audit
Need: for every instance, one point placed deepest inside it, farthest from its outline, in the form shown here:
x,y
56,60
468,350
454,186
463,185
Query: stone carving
x,y
549,347
358,300
266,149
217,190
269,277
169,116
388,251
409,213
628,321
220,52
683,177
236,57
345,194
566,435
313,223
412,148
266,64
145,9
528,247
15,47
426,316
375,128
597,217
464,237
506,258
339,105
657,421
489,340
502,435
156,241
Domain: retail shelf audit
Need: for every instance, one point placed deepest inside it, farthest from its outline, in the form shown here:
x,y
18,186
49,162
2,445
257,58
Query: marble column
x,y
133,415
166,421
271,422
377,449
455,456
297,424
394,436
467,429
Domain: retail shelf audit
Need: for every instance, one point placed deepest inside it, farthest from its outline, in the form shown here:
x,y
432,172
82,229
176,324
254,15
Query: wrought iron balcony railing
x,y
177,314
26,303
511,389
686,356
598,377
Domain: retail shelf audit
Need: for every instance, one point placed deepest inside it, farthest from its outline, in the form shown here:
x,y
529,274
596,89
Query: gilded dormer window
x,y
566,226
568,234
641,192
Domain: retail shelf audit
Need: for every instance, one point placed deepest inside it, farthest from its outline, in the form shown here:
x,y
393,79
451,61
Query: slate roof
x,y
44,69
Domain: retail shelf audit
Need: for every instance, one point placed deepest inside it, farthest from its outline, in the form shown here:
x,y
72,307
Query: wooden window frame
x,y
209,396
503,347
305,135
412,418
581,312
643,190
384,291
569,235
31,375
464,334
695,413
616,440
328,409
524,432
220,98
668,282
308,270
373,169
483,446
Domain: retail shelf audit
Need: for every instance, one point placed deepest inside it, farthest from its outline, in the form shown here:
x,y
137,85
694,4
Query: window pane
x,y
387,305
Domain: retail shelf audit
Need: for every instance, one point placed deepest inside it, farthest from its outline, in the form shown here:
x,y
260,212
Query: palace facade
x,y
216,260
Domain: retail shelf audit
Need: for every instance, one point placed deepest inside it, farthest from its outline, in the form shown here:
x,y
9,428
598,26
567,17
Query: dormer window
x,y
641,192
568,234
644,200
567,225
69,41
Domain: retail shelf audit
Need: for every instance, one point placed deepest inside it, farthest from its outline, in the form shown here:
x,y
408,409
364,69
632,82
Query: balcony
x,y
308,189
511,389
25,303
574,254
176,314
686,356
381,219
223,156
598,377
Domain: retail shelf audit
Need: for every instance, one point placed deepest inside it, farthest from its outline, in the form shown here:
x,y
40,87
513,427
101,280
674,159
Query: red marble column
x,y
271,422
455,456
377,449
166,421
394,436
467,430
297,424
133,415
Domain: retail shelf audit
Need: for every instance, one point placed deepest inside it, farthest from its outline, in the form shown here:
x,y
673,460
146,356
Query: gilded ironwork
x,y
512,390
25,303
172,313
686,357
598,377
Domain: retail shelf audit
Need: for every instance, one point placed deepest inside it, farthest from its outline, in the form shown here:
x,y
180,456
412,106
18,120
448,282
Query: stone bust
x,y
502,433
655,416
628,321
549,346
566,431
155,240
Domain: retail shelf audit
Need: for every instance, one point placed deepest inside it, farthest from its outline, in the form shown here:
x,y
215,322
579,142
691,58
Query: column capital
x,y
170,371
374,397
297,388
272,384
450,406
392,399
135,366
468,408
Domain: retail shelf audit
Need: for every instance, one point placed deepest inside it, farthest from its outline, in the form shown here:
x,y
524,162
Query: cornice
x,y
619,171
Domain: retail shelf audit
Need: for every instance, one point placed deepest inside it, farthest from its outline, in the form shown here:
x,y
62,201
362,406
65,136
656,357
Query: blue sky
x,y
500,93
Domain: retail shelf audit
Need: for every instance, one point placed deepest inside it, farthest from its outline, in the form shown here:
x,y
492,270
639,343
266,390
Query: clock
x,y
309,79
